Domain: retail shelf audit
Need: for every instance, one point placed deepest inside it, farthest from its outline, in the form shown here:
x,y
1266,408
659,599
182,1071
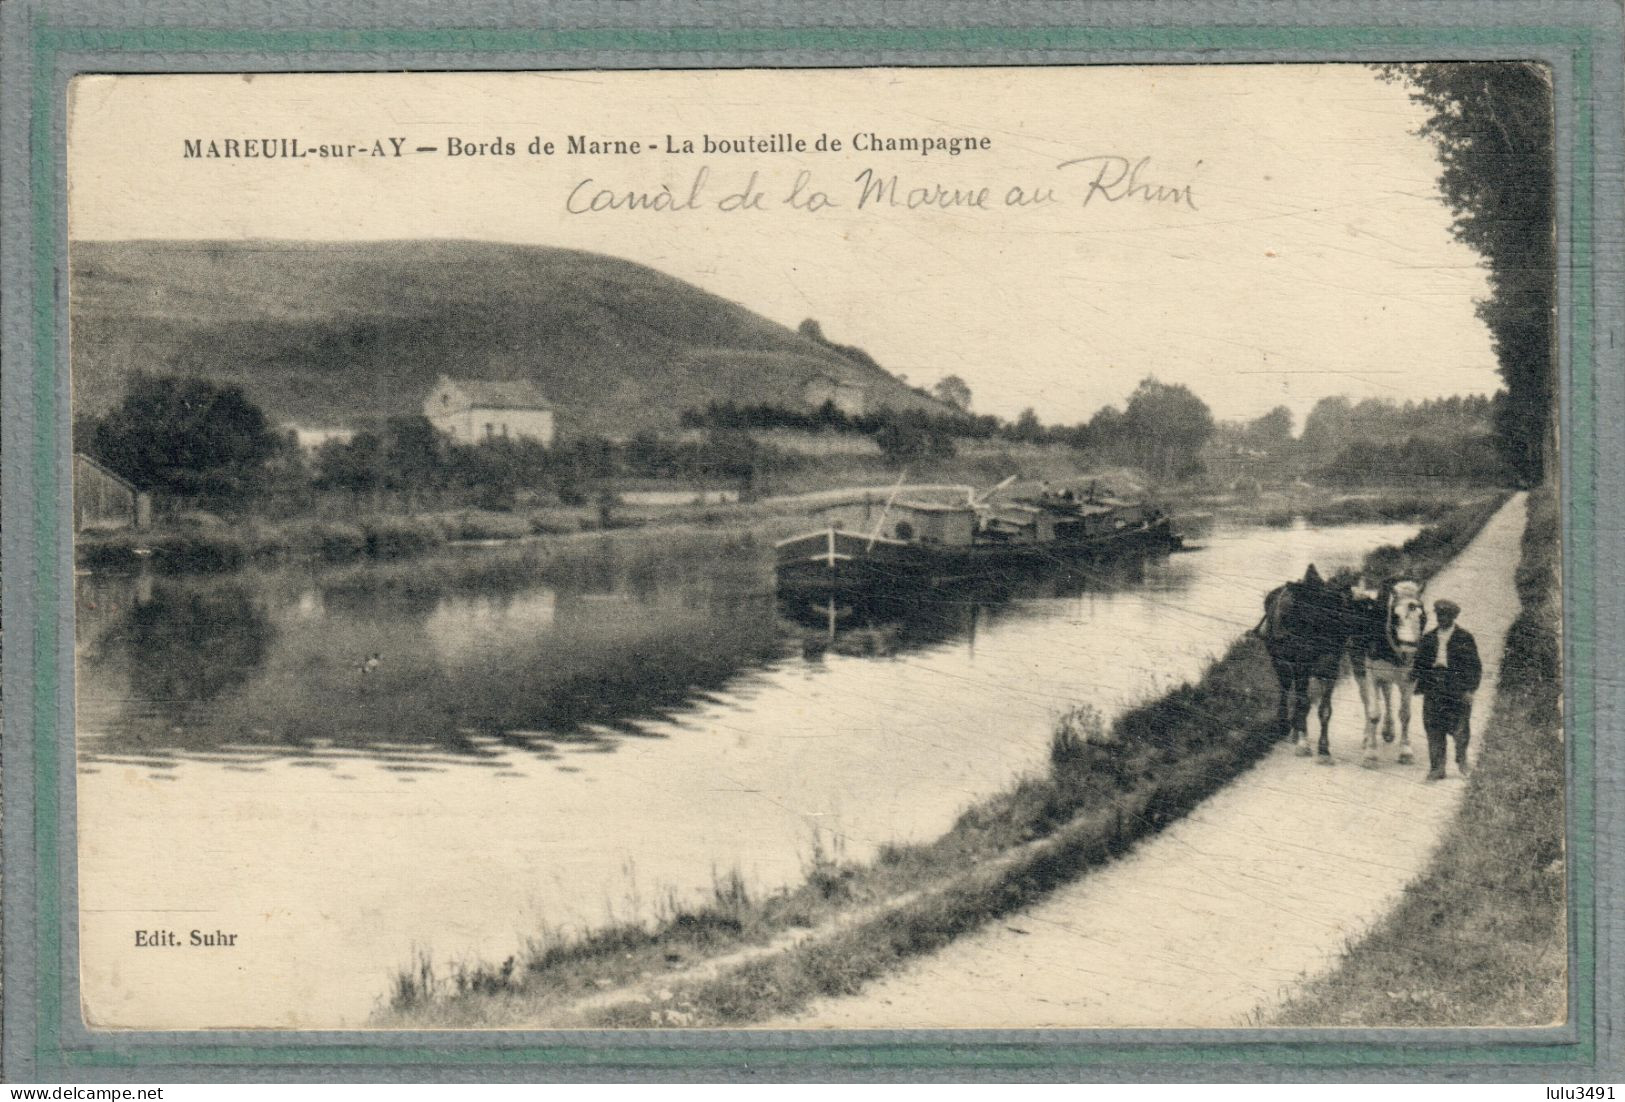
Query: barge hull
x,y
835,561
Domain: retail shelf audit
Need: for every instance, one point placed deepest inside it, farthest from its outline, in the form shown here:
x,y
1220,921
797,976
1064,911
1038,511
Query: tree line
x,y
1370,440
1162,428
198,443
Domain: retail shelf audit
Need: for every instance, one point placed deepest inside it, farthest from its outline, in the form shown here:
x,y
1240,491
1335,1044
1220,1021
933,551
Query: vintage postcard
x,y
875,548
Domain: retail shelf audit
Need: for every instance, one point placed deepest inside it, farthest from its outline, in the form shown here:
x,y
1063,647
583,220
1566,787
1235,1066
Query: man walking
x,y
1447,674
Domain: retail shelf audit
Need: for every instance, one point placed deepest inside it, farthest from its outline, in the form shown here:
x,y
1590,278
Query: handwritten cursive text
x,y
1117,178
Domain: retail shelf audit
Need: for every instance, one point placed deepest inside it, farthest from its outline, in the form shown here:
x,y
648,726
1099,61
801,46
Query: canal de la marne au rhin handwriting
x,y
1101,180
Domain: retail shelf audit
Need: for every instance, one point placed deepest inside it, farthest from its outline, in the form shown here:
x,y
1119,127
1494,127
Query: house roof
x,y
514,394
105,471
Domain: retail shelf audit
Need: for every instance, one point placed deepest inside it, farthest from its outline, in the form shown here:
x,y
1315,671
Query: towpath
x,y
1220,916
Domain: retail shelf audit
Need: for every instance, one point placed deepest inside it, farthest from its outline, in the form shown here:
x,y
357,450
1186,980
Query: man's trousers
x,y
1446,714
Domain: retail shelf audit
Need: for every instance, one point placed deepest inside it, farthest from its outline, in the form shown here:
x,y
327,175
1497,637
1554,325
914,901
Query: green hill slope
x,y
330,334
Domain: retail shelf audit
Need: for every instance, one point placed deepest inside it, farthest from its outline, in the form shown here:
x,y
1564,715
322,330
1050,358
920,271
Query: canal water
x,y
344,768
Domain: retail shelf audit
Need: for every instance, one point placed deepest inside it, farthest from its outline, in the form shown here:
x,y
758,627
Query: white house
x,y
310,439
472,410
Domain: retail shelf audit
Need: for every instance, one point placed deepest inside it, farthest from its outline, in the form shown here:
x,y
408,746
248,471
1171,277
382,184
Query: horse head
x,y
1407,617
1390,617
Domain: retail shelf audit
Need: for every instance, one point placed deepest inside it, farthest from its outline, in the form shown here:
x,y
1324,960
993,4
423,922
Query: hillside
x,y
330,334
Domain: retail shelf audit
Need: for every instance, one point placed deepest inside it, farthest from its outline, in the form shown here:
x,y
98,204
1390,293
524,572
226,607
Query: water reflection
x,y
882,622
462,628
194,645
493,658
462,658
553,739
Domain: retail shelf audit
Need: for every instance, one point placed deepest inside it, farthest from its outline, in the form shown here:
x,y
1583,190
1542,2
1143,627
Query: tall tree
x,y
953,391
186,437
1027,427
357,464
415,453
910,438
1272,430
1105,428
1491,123
1164,427
1327,428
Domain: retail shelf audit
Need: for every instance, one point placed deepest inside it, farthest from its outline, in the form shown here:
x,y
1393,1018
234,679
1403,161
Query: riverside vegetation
x,y
735,959
230,490
1497,884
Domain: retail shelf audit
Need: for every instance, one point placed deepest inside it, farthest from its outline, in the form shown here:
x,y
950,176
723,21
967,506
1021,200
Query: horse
x,y
1382,652
1305,628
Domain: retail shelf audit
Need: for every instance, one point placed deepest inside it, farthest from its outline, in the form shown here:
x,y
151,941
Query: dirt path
x,y
1225,911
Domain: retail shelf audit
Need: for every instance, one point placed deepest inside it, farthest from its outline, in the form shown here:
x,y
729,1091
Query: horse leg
x,y
1324,709
1300,713
1405,688
1283,701
1286,714
1378,714
1365,681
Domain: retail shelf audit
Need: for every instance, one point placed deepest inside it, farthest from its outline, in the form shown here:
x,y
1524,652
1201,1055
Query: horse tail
x,y
1269,622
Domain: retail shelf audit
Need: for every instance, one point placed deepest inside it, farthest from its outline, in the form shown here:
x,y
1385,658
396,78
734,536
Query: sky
x,y
1281,240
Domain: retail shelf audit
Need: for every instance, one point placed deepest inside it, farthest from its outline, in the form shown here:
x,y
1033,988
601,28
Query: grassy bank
x,y
199,542
1105,788
205,543
1322,505
1481,939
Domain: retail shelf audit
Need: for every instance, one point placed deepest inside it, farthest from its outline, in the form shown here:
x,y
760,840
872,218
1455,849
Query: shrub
x,y
1077,730
200,551
484,526
337,542
398,537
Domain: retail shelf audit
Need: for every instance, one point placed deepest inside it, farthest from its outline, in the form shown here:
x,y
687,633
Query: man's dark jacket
x,y
1460,675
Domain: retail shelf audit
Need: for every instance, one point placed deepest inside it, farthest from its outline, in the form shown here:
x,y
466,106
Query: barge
x,y
930,543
